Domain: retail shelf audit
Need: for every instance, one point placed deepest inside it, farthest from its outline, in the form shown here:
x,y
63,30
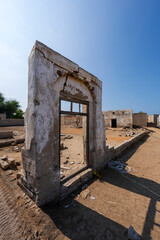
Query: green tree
x,y
19,114
2,103
10,107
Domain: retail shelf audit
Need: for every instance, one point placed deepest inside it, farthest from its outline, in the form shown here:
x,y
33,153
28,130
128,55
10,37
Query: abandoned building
x,y
58,87
140,119
118,118
152,120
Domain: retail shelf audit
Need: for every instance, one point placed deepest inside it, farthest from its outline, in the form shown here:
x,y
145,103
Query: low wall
x,y
9,142
6,134
11,122
115,152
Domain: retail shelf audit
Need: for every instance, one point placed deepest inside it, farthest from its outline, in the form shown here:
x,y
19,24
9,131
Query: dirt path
x,y
8,217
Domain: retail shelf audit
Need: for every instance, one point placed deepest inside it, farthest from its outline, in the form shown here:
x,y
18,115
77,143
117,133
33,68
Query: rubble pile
x,y
8,163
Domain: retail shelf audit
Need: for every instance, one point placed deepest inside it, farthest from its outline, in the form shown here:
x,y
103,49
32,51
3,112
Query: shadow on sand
x,y
79,222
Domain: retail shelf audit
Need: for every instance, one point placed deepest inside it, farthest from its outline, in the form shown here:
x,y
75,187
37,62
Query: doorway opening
x,y
114,123
73,142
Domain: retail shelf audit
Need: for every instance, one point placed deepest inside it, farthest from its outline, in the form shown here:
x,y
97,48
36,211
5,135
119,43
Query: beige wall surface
x,y
123,117
140,119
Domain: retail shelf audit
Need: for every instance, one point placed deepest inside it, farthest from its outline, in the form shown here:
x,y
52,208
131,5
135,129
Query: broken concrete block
x,y
4,157
20,173
4,165
84,193
11,162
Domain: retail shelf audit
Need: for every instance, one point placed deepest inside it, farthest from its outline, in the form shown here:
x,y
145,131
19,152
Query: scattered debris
x,y
72,163
9,172
62,176
19,174
66,206
65,162
65,168
14,144
4,165
18,163
16,149
68,137
4,157
11,162
84,193
132,235
91,197
120,167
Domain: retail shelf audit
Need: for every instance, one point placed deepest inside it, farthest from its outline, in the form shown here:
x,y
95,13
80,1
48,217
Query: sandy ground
x,y
120,201
116,136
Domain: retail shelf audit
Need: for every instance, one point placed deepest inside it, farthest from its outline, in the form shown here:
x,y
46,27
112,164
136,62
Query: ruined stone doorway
x,y
114,123
73,149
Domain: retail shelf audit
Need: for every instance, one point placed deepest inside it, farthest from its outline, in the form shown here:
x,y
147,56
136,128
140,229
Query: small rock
x,y
67,157
84,193
4,165
65,162
4,157
72,163
11,162
91,197
16,149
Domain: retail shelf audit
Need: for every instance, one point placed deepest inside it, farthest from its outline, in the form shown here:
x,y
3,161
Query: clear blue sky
x,y
116,40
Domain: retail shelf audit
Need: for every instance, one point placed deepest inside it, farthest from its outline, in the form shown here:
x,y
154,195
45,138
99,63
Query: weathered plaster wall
x,y
51,77
71,121
152,120
140,119
123,117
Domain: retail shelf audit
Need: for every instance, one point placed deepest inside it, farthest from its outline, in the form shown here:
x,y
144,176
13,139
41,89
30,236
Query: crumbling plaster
x,y
51,76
